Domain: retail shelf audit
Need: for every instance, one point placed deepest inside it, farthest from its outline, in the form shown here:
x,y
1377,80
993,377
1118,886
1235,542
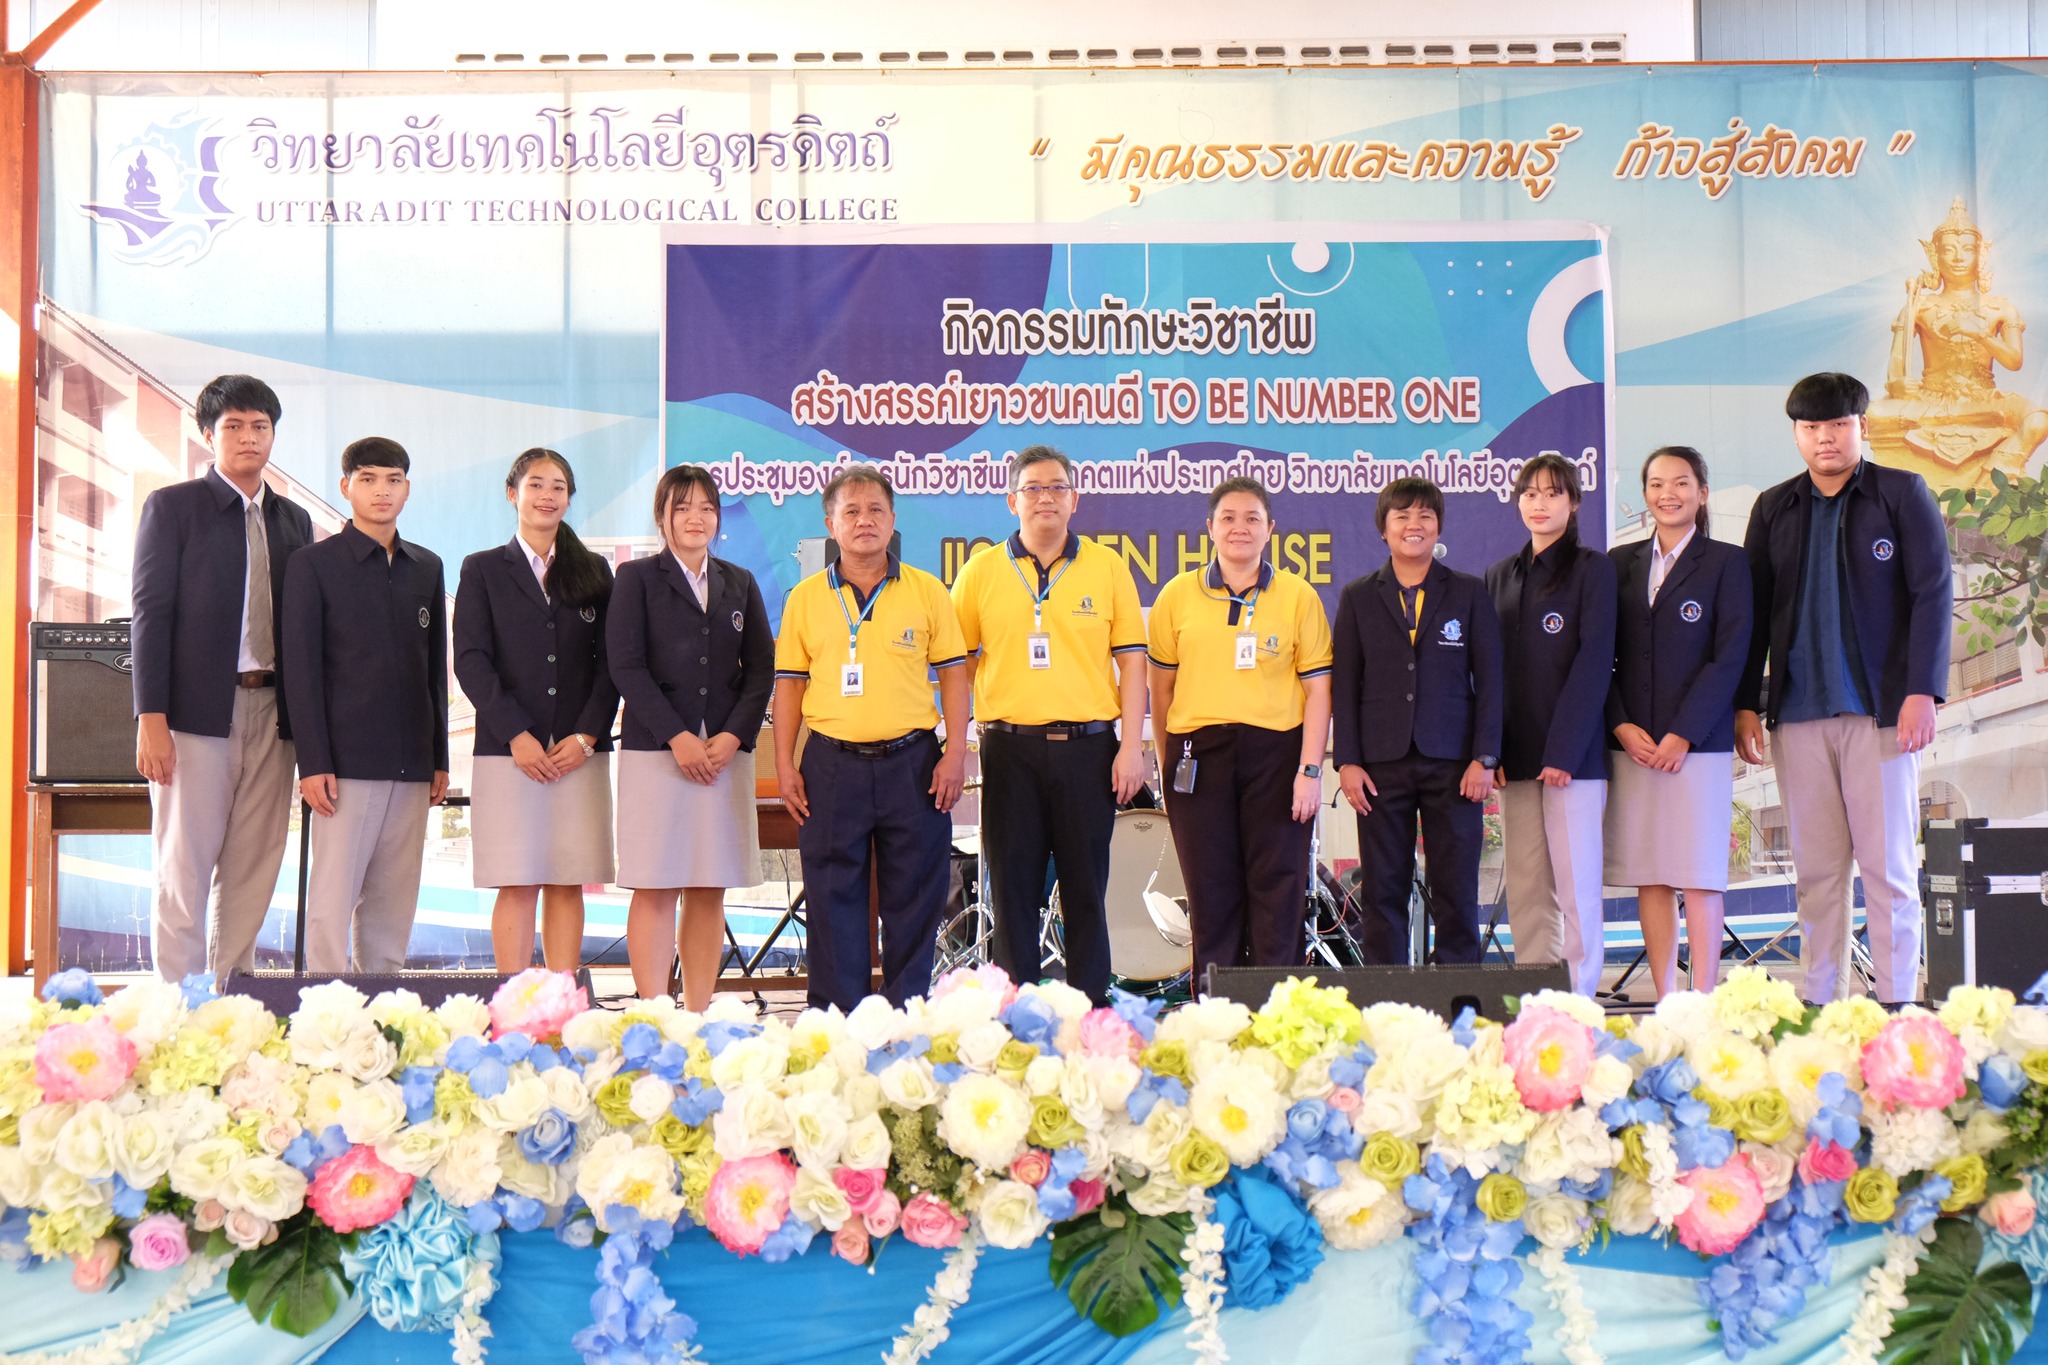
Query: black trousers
x,y
1411,788
1049,798
1244,857
872,813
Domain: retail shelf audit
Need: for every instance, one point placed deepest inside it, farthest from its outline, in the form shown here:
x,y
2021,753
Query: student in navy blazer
x,y
1556,604
530,655
1681,638
212,733
692,654
1416,696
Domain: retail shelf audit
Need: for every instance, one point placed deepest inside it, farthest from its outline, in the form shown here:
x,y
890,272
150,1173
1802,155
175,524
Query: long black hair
x,y
1699,472
576,576
1565,475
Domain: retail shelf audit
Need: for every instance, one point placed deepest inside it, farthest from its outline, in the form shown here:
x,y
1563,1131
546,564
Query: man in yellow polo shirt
x,y
1057,646
854,661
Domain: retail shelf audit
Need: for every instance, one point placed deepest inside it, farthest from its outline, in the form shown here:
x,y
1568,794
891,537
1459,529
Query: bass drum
x,y
1150,940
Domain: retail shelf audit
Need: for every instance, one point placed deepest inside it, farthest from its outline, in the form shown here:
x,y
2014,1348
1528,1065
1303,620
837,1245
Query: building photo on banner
x,y
1333,282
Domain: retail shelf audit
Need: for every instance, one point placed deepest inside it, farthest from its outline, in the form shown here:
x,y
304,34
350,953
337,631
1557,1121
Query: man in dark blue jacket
x,y
211,732
1853,612
366,667
1416,696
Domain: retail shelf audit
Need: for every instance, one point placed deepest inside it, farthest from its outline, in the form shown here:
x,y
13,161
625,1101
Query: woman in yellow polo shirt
x,y
1240,664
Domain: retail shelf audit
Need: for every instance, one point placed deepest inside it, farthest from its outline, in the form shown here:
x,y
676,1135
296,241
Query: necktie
x,y
1408,596
261,646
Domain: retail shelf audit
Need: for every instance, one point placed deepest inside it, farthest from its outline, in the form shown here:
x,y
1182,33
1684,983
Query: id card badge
x,y
1247,649
1040,646
850,679
1184,771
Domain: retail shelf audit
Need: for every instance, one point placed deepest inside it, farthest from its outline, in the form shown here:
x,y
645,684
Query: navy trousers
x,y
872,815
1049,798
1411,788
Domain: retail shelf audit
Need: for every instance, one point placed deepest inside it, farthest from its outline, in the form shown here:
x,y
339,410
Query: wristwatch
x,y
1486,760
1311,770
589,749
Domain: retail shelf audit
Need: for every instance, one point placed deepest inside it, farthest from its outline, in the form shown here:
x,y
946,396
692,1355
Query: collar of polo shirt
x,y
1213,575
1067,551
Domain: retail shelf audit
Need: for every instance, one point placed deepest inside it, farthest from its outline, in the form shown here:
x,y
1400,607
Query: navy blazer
x,y
1559,647
191,571
366,659
530,666
1895,585
682,667
1676,664
1441,695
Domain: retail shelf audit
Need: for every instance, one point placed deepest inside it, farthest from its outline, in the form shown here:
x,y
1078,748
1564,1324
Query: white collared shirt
x,y
700,583
538,564
1661,564
246,661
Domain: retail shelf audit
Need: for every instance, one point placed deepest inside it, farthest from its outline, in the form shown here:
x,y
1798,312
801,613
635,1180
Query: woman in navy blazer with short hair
x,y
530,655
1681,641
1555,600
695,661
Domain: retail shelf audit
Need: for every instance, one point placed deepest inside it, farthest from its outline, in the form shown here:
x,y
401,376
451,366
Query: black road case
x,y
1984,889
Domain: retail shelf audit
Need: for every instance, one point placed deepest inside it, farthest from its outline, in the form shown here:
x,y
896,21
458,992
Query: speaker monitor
x,y
81,725
1444,990
279,991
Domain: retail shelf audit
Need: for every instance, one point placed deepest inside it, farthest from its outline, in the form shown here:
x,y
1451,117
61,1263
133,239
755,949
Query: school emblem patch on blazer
x,y
1689,611
425,619
589,614
1453,633
738,620
1881,549
1553,622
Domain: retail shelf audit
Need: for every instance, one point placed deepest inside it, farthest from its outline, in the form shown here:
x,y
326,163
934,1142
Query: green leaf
x,y
1117,1275
295,1283
1955,1315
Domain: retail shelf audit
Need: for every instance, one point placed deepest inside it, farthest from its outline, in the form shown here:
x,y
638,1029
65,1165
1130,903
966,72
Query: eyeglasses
x,y
1044,490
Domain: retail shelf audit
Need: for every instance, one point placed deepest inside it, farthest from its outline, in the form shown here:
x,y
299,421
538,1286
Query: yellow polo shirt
x,y
910,630
1194,630
1090,614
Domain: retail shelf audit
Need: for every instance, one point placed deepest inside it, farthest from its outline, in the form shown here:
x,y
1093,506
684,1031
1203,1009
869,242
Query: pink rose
x,y
1822,1162
850,1243
861,1186
881,1216
1914,1061
2010,1212
88,1061
929,1221
1088,1195
1033,1167
208,1215
1105,1034
1550,1053
249,1230
356,1190
1727,1204
1345,1100
158,1242
94,1271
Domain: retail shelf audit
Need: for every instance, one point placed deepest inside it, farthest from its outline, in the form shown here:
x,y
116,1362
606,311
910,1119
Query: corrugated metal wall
x,y
1835,30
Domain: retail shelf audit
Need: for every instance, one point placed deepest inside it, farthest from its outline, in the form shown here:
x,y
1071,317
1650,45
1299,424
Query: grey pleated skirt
x,y
1670,829
528,833
674,832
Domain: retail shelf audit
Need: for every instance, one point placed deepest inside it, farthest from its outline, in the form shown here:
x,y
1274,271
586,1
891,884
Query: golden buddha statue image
x,y
1952,425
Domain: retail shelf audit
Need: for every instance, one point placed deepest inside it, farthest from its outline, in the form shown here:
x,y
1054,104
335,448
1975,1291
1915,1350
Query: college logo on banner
x,y
168,207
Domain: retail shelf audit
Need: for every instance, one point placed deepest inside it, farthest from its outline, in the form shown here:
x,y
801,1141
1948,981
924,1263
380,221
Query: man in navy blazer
x,y
211,729
366,665
1416,697
1854,601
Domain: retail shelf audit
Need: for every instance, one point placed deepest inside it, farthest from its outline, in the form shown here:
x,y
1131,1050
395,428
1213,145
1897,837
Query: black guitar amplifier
x,y
1984,889
81,718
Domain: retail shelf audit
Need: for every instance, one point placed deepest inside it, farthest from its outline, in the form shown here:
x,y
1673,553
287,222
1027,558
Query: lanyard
x,y
1249,603
1037,597
853,626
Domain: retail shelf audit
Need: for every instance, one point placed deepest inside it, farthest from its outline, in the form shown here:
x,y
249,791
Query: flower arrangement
x,y
1212,1151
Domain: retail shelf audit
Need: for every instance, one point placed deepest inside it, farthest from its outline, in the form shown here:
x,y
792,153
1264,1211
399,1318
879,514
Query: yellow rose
x,y
945,1048
1632,1159
1171,1059
2035,1065
1199,1161
1015,1059
1389,1159
680,1139
615,1102
1501,1197
1052,1125
1872,1196
1763,1116
1720,1112
1967,1174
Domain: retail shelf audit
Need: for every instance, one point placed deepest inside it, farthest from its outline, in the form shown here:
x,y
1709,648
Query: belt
x,y
877,749
1065,729
259,678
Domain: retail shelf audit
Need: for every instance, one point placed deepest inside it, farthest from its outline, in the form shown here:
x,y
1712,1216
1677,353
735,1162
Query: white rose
x,y
1422,1067
818,1201
1489,1047
966,1006
1607,1081
979,1045
201,1170
526,1097
862,1095
1149,1145
85,1145
1077,1091
266,1187
1688,1013
1773,1168
18,1179
465,1016
985,1119
566,1093
874,1023
416,1149
148,1012
817,1129
321,1025
1391,1026
468,1172
549,1184
2025,1030
1207,1020
1113,1079
62,1191
366,1054
908,1084
1042,1077
1658,1040
38,1129
1009,1215
753,1122
1388,1111
143,1148
276,1134
1311,1080
761,1060
649,1098
1629,1208
1161,1194
1556,1220
1095,1154
590,1031
867,1146
1983,1133
373,1112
